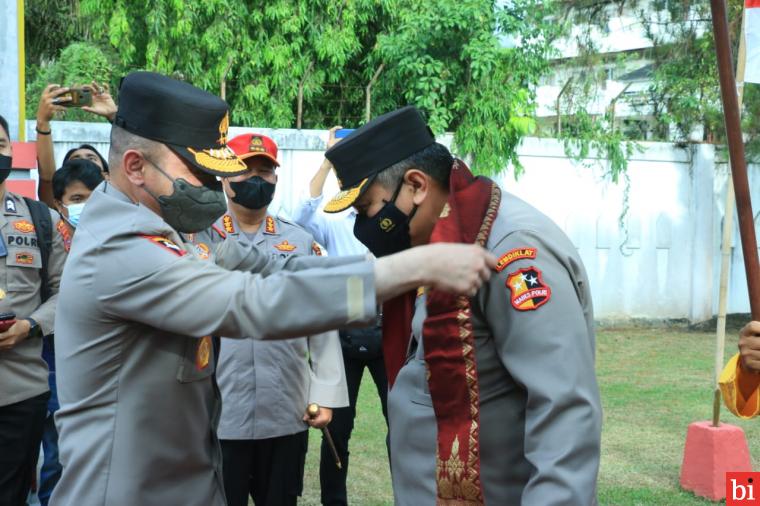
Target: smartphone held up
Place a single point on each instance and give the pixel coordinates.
(75, 97)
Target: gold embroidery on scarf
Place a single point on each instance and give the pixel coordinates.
(459, 482)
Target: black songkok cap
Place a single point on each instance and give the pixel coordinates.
(367, 151)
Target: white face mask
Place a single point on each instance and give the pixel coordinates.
(75, 211)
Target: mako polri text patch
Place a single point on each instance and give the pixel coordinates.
(528, 291)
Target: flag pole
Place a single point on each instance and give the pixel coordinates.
(728, 230)
(736, 154)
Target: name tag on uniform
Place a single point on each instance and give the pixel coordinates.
(3, 248)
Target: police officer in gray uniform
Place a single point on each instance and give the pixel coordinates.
(23, 373)
(134, 358)
(266, 386)
(496, 400)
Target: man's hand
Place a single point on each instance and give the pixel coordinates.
(102, 101)
(749, 346)
(48, 105)
(331, 140)
(324, 416)
(317, 183)
(457, 268)
(460, 269)
(14, 335)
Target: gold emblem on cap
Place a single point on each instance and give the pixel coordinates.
(221, 160)
(224, 127)
(257, 145)
(345, 199)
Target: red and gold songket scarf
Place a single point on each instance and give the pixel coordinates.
(449, 343)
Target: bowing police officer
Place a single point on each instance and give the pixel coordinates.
(494, 398)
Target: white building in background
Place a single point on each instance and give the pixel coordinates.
(625, 49)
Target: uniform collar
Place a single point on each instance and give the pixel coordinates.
(139, 218)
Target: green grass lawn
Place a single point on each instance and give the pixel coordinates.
(654, 382)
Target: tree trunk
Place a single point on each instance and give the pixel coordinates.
(299, 117)
(368, 93)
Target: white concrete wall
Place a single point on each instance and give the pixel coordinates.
(667, 269)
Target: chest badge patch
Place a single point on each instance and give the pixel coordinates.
(515, 255)
(23, 226)
(24, 258)
(203, 251)
(166, 244)
(316, 249)
(285, 246)
(203, 355)
(528, 290)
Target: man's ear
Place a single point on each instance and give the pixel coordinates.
(419, 182)
(133, 165)
(59, 207)
(227, 188)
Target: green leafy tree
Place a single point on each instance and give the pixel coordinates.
(78, 64)
(473, 66)
(266, 55)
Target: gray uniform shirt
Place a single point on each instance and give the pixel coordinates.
(134, 363)
(540, 412)
(23, 372)
(266, 385)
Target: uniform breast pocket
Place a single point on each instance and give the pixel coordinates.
(197, 361)
(23, 268)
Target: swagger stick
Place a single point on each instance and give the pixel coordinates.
(313, 410)
(736, 154)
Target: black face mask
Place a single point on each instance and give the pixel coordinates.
(387, 232)
(253, 193)
(190, 208)
(5, 167)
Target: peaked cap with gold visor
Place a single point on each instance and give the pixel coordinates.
(191, 122)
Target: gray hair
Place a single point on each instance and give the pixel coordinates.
(435, 161)
(122, 141)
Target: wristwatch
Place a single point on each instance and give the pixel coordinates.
(34, 328)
